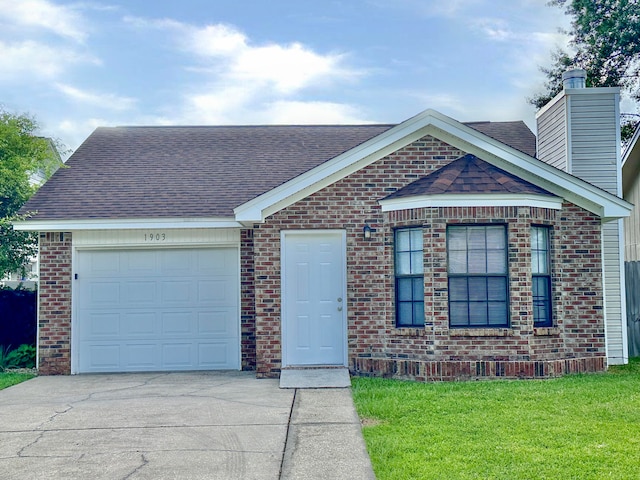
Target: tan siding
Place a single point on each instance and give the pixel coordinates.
(632, 224)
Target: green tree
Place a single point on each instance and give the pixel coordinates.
(26, 161)
(605, 35)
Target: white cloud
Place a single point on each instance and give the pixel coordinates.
(36, 60)
(108, 101)
(42, 14)
(310, 113)
(493, 28)
(228, 54)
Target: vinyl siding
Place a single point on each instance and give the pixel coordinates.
(632, 224)
(552, 131)
(593, 139)
(615, 315)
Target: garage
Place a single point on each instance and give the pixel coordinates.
(156, 309)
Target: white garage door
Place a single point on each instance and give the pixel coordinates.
(161, 309)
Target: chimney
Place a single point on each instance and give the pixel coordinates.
(575, 78)
(579, 132)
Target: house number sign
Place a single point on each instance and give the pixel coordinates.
(155, 237)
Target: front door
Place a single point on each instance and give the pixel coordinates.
(313, 298)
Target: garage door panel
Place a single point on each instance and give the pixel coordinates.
(162, 309)
(177, 291)
(103, 294)
(139, 324)
(177, 323)
(213, 323)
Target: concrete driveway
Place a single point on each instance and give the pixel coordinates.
(214, 425)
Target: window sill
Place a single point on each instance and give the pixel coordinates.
(409, 331)
(546, 331)
(480, 332)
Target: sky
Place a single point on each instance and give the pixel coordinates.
(77, 65)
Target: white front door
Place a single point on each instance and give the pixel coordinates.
(313, 298)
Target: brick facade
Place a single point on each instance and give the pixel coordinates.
(54, 293)
(376, 347)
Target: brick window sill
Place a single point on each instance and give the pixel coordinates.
(546, 331)
(409, 332)
(480, 332)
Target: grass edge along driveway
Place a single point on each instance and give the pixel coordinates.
(8, 379)
(574, 427)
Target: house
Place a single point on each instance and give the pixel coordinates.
(431, 249)
(631, 193)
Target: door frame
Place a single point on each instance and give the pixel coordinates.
(284, 234)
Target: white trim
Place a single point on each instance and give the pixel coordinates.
(456, 134)
(471, 200)
(124, 224)
(623, 294)
(283, 290)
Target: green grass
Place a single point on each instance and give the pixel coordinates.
(575, 427)
(10, 378)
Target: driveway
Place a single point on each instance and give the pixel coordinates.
(152, 426)
(213, 425)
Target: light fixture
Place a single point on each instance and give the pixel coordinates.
(366, 232)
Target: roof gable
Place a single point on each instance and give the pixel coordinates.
(454, 133)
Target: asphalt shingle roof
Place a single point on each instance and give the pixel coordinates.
(200, 172)
(468, 174)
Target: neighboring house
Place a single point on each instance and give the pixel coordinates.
(431, 249)
(631, 192)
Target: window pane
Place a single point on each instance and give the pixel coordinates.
(497, 313)
(539, 238)
(541, 301)
(403, 263)
(458, 314)
(402, 241)
(458, 289)
(416, 262)
(477, 289)
(478, 261)
(405, 313)
(496, 261)
(418, 313)
(457, 238)
(496, 238)
(497, 289)
(477, 314)
(416, 238)
(404, 289)
(457, 261)
(418, 289)
(476, 239)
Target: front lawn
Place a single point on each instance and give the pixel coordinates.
(11, 378)
(576, 427)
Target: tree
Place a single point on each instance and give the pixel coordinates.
(26, 161)
(606, 37)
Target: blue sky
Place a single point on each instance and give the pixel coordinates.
(79, 65)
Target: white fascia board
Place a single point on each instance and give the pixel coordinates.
(123, 224)
(472, 200)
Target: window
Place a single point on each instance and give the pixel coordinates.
(477, 267)
(541, 277)
(409, 278)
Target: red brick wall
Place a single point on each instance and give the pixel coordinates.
(376, 346)
(54, 294)
(247, 301)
